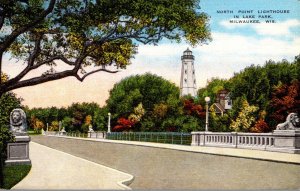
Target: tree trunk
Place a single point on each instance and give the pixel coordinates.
(1, 55)
(1, 168)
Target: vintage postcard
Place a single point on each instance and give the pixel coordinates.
(165, 94)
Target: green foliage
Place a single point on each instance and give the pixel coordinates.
(76, 117)
(150, 90)
(148, 125)
(5, 137)
(253, 84)
(211, 89)
(256, 85)
(67, 123)
(219, 123)
(14, 174)
(100, 119)
(162, 111)
(8, 102)
(190, 123)
(92, 33)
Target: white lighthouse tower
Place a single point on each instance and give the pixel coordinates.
(188, 80)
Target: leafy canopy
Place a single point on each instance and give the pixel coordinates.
(94, 33)
(147, 89)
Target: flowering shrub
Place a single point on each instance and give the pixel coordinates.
(88, 120)
(260, 127)
(285, 99)
(191, 108)
(245, 118)
(160, 110)
(124, 124)
(139, 112)
(36, 124)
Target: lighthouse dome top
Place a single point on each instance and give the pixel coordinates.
(187, 54)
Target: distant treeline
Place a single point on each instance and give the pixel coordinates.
(262, 97)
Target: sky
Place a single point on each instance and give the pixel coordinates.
(234, 47)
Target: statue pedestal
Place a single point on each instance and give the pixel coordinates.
(287, 141)
(62, 132)
(18, 152)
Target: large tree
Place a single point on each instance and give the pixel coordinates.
(156, 96)
(8, 102)
(96, 33)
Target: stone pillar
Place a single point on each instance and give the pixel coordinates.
(18, 151)
(198, 138)
(202, 138)
(195, 138)
(287, 141)
(234, 139)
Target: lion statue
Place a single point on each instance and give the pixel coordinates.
(18, 124)
(292, 122)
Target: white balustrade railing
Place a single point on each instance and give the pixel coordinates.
(97, 135)
(259, 140)
(278, 140)
(233, 139)
(51, 133)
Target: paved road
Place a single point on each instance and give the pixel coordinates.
(159, 168)
(53, 169)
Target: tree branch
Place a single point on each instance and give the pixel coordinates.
(51, 59)
(52, 77)
(1, 56)
(95, 71)
(11, 38)
(40, 79)
(36, 50)
(31, 67)
(1, 21)
(30, 64)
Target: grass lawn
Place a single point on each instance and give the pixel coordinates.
(32, 132)
(14, 174)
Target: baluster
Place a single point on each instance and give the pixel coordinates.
(271, 141)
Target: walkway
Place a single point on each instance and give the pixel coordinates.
(161, 168)
(52, 169)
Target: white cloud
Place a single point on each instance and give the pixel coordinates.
(225, 55)
(273, 29)
(277, 29)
